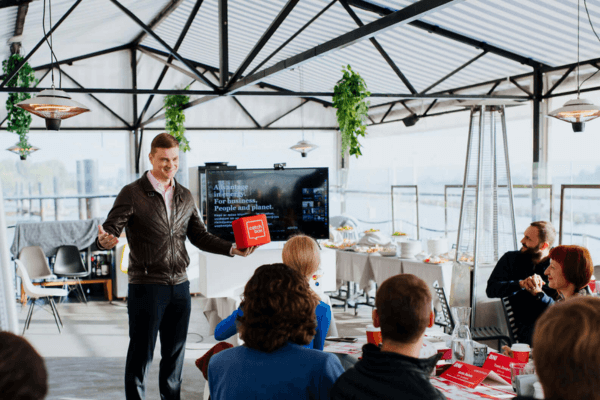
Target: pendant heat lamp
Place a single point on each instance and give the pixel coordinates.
(304, 146)
(23, 152)
(577, 111)
(51, 104)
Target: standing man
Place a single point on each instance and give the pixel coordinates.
(518, 272)
(159, 214)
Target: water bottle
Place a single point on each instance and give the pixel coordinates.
(462, 345)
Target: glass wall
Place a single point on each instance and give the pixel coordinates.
(69, 163)
(430, 155)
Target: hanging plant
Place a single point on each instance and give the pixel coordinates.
(19, 120)
(348, 98)
(175, 118)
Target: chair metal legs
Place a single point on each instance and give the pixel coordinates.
(52, 304)
(81, 290)
(29, 314)
(55, 313)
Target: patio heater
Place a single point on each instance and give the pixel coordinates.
(486, 227)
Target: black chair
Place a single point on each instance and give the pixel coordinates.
(513, 331)
(480, 333)
(68, 264)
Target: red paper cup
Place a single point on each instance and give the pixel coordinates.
(446, 353)
(521, 352)
(374, 335)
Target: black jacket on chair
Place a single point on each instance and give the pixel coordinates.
(383, 375)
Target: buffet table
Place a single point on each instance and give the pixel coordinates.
(364, 268)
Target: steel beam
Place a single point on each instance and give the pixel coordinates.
(246, 112)
(465, 65)
(201, 128)
(157, 20)
(538, 86)
(223, 44)
(268, 93)
(15, 47)
(37, 46)
(39, 81)
(182, 35)
(380, 49)
(558, 82)
(13, 3)
(110, 110)
(388, 111)
(494, 86)
(184, 107)
(299, 31)
(163, 43)
(436, 30)
(429, 108)
(286, 113)
(285, 11)
(521, 88)
(403, 16)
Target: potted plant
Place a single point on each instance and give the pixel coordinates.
(19, 120)
(175, 118)
(348, 98)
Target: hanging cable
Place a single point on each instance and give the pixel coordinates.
(597, 37)
(52, 55)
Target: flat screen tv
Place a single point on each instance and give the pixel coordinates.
(295, 200)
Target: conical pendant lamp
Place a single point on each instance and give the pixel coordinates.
(577, 111)
(51, 104)
(304, 146)
(22, 151)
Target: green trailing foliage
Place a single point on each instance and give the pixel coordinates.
(348, 98)
(175, 118)
(19, 120)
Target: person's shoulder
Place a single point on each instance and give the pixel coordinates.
(227, 355)
(511, 256)
(323, 307)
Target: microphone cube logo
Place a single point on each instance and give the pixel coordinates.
(255, 229)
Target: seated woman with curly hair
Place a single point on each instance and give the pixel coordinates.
(279, 319)
(301, 253)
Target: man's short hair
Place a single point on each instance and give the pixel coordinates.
(22, 370)
(546, 231)
(566, 344)
(163, 141)
(404, 306)
(576, 263)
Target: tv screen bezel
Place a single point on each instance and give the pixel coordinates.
(325, 234)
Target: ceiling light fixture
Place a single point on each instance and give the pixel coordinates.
(23, 152)
(303, 146)
(577, 111)
(51, 104)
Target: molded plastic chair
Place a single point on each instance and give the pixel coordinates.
(480, 333)
(37, 292)
(36, 263)
(68, 264)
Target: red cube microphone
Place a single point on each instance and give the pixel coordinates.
(251, 231)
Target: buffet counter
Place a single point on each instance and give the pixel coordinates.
(364, 268)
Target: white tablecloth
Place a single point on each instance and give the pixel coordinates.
(364, 268)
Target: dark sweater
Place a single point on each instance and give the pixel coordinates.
(504, 282)
(383, 375)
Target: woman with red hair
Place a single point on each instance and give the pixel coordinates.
(570, 271)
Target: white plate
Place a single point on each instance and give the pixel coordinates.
(388, 253)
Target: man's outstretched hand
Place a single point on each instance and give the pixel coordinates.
(244, 253)
(106, 240)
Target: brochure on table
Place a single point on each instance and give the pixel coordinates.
(500, 364)
(469, 375)
(454, 391)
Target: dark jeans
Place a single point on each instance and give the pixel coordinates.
(152, 309)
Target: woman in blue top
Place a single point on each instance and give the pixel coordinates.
(301, 253)
(279, 318)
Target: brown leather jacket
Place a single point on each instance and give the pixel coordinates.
(157, 245)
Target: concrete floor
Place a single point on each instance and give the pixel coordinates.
(86, 361)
